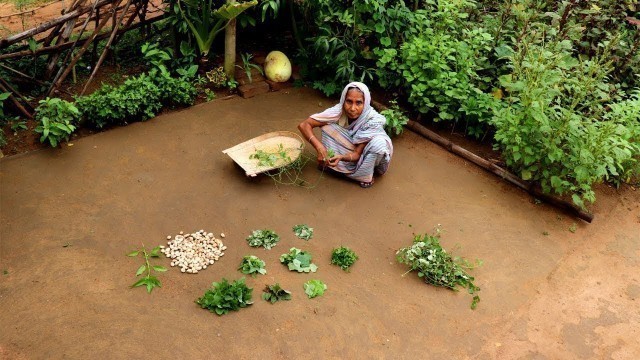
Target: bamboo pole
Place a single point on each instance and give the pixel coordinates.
(15, 92)
(62, 74)
(493, 168)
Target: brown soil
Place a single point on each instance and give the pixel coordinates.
(69, 215)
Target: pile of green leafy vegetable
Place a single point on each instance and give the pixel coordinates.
(252, 265)
(273, 293)
(314, 288)
(298, 260)
(265, 238)
(303, 231)
(435, 266)
(223, 297)
(343, 257)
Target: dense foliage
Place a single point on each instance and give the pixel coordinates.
(344, 257)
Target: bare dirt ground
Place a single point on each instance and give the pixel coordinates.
(68, 217)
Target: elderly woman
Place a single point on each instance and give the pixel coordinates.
(354, 132)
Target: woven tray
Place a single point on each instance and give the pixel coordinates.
(291, 143)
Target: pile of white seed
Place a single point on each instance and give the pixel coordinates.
(193, 252)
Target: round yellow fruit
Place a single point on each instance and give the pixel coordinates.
(277, 67)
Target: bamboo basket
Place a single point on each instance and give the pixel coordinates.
(291, 143)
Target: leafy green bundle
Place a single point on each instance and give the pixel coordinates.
(314, 288)
(343, 257)
(274, 293)
(303, 231)
(223, 297)
(298, 260)
(265, 238)
(435, 266)
(252, 265)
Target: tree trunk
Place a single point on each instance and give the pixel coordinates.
(230, 49)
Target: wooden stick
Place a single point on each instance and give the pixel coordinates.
(63, 74)
(11, 89)
(107, 46)
(30, 78)
(16, 102)
(493, 168)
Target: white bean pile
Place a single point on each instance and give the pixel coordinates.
(193, 252)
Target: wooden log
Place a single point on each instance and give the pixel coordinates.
(493, 168)
(48, 25)
(107, 46)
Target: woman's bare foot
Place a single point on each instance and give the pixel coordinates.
(365, 185)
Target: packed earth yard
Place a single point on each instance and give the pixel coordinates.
(552, 286)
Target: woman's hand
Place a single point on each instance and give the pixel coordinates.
(322, 156)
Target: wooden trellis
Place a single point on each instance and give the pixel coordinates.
(69, 32)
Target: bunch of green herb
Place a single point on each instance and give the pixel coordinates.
(303, 231)
(252, 265)
(223, 297)
(330, 153)
(273, 293)
(271, 158)
(148, 280)
(265, 238)
(298, 260)
(435, 266)
(343, 257)
(314, 288)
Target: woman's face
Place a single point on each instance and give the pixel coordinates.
(353, 103)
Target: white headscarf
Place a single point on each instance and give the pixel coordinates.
(369, 124)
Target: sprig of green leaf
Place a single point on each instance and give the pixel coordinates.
(149, 280)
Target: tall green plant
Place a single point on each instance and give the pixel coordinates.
(205, 21)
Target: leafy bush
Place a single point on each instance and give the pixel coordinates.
(441, 64)
(435, 266)
(223, 297)
(343, 257)
(314, 288)
(561, 126)
(252, 265)
(265, 238)
(298, 260)
(57, 119)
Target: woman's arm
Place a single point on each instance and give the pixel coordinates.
(306, 129)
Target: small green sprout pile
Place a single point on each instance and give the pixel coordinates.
(224, 297)
(314, 288)
(303, 231)
(264, 238)
(298, 260)
(274, 293)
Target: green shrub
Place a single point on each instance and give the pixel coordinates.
(57, 120)
(560, 125)
(441, 65)
(396, 119)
